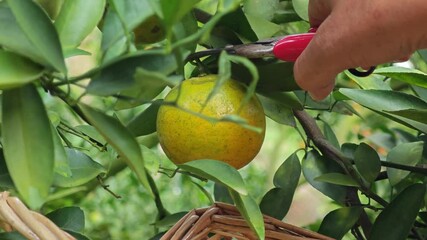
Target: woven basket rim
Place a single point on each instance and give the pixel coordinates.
(224, 221)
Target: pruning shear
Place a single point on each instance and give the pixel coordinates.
(287, 49)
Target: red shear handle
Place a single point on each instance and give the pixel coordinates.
(290, 47)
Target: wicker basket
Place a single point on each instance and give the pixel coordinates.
(15, 216)
(223, 221)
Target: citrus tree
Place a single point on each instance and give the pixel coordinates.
(83, 81)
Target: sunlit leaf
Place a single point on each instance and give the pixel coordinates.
(76, 20)
(217, 171)
(396, 220)
(13, 38)
(338, 222)
(41, 33)
(367, 162)
(370, 82)
(262, 28)
(407, 154)
(407, 75)
(120, 139)
(250, 211)
(382, 102)
(31, 162)
(16, 70)
(301, 8)
(263, 9)
(83, 169)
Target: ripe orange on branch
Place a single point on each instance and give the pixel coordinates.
(185, 136)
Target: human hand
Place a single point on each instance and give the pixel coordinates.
(358, 33)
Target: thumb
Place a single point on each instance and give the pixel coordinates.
(315, 69)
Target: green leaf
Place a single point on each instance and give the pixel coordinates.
(288, 174)
(277, 111)
(12, 236)
(288, 99)
(119, 75)
(383, 102)
(419, 115)
(217, 171)
(222, 194)
(5, 179)
(92, 133)
(13, 38)
(313, 166)
(237, 22)
(75, 52)
(337, 179)
(83, 169)
(68, 218)
(406, 154)
(330, 135)
(370, 82)
(77, 236)
(262, 28)
(273, 76)
(16, 70)
(407, 75)
(403, 208)
(120, 139)
(301, 8)
(151, 159)
(39, 30)
(77, 19)
(263, 9)
(338, 222)
(170, 220)
(367, 162)
(52, 7)
(122, 17)
(277, 201)
(145, 122)
(173, 11)
(250, 211)
(31, 162)
(61, 166)
(148, 84)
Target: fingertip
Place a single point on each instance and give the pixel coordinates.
(321, 93)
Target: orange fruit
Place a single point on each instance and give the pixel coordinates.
(184, 136)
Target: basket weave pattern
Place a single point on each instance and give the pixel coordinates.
(223, 221)
(15, 216)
